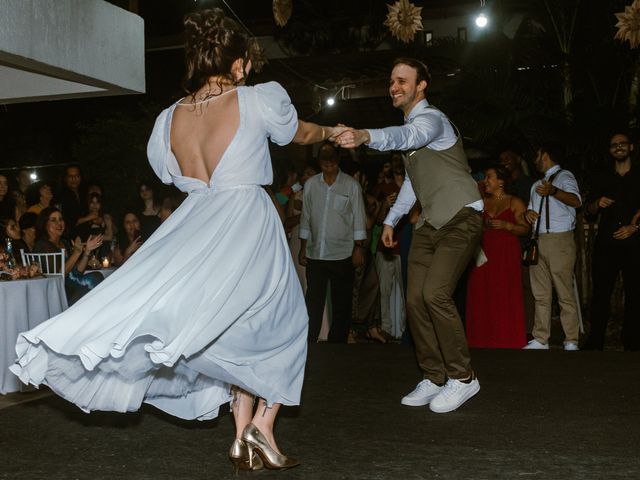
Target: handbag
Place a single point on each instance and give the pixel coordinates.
(530, 252)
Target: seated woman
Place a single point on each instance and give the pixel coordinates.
(95, 222)
(10, 231)
(27, 240)
(49, 230)
(130, 238)
(495, 309)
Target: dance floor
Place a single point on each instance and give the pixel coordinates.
(539, 415)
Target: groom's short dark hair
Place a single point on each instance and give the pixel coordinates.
(420, 68)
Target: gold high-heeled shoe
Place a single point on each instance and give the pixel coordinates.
(239, 456)
(256, 442)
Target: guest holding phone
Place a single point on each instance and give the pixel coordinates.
(129, 239)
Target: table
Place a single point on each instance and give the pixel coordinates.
(23, 305)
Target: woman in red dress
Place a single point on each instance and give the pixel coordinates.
(495, 312)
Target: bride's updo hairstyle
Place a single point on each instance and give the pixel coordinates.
(213, 43)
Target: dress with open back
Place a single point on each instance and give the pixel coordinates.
(210, 300)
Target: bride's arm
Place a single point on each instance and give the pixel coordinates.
(312, 133)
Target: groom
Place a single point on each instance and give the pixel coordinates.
(445, 238)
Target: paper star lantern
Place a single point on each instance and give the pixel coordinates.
(629, 24)
(282, 11)
(404, 20)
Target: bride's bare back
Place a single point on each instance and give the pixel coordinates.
(200, 134)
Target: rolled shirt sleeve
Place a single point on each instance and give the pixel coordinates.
(567, 182)
(305, 230)
(359, 215)
(562, 217)
(333, 217)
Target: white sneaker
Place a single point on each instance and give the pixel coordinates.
(536, 345)
(453, 395)
(422, 394)
(571, 347)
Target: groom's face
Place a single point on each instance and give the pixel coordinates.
(404, 88)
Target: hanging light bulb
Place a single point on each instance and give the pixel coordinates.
(482, 20)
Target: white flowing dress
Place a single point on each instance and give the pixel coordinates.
(210, 300)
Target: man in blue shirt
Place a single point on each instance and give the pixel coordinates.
(557, 247)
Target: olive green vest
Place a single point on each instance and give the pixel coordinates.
(442, 182)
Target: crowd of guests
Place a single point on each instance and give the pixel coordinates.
(354, 286)
(333, 212)
(41, 217)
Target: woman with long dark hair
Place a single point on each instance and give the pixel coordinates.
(94, 220)
(50, 228)
(209, 308)
(149, 211)
(130, 238)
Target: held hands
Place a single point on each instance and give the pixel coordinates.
(335, 132)
(347, 137)
(352, 138)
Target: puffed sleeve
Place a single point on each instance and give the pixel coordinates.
(159, 149)
(279, 115)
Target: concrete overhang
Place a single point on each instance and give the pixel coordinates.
(60, 49)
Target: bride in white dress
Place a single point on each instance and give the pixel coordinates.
(210, 307)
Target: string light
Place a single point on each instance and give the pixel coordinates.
(481, 20)
(343, 92)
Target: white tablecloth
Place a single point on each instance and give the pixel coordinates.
(23, 305)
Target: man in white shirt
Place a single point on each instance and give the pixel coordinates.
(445, 238)
(332, 229)
(557, 248)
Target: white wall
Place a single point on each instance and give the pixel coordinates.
(74, 48)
